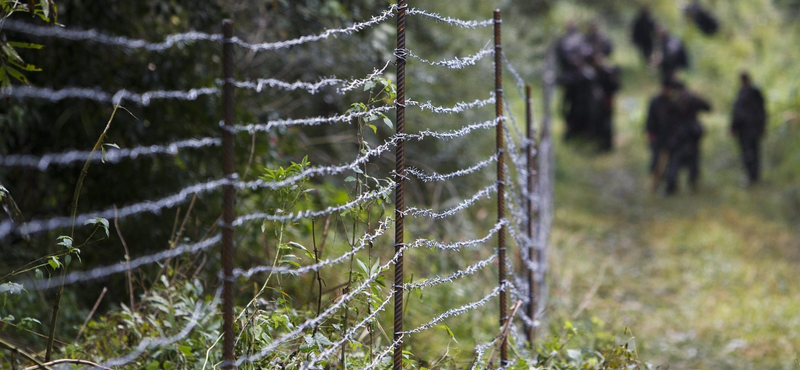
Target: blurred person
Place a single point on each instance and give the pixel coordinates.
(606, 84)
(673, 55)
(748, 123)
(643, 33)
(575, 76)
(660, 114)
(683, 137)
(702, 17)
(597, 40)
(569, 49)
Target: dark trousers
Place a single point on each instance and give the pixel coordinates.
(655, 152)
(687, 155)
(750, 156)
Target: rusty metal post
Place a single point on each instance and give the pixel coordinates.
(227, 195)
(533, 215)
(501, 196)
(399, 176)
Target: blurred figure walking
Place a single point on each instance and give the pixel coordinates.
(660, 116)
(673, 55)
(702, 17)
(748, 125)
(643, 33)
(683, 138)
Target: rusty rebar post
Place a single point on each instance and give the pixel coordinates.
(533, 216)
(501, 196)
(227, 195)
(399, 176)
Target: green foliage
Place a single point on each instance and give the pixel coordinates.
(11, 63)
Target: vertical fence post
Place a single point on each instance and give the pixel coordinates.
(399, 176)
(227, 195)
(501, 237)
(533, 216)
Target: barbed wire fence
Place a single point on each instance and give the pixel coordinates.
(523, 186)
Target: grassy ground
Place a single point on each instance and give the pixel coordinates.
(704, 280)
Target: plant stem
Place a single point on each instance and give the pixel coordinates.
(75, 196)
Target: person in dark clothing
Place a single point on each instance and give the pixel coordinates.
(657, 124)
(683, 138)
(575, 76)
(569, 49)
(702, 17)
(606, 84)
(597, 41)
(578, 102)
(748, 123)
(644, 33)
(673, 55)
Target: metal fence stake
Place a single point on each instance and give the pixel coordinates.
(533, 216)
(227, 195)
(501, 237)
(399, 176)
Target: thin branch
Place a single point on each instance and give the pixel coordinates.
(504, 333)
(91, 313)
(68, 361)
(128, 273)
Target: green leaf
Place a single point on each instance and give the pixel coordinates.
(54, 263)
(349, 179)
(186, 350)
(374, 128)
(16, 74)
(25, 45)
(45, 8)
(26, 67)
(12, 54)
(67, 260)
(449, 332)
(388, 122)
(362, 265)
(38, 274)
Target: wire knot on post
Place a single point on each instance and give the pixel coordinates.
(401, 54)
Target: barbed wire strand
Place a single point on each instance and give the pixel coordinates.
(456, 62)
(480, 350)
(36, 226)
(293, 216)
(311, 87)
(364, 241)
(312, 121)
(434, 176)
(111, 155)
(450, 20)
(101, 272)
(457, 311)
(433, 244)
(106, 39)
(101, 96)
(438, 280)
(267, 46)
(483, 193)
(454, 133)
(384, 354)
(459, 107)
